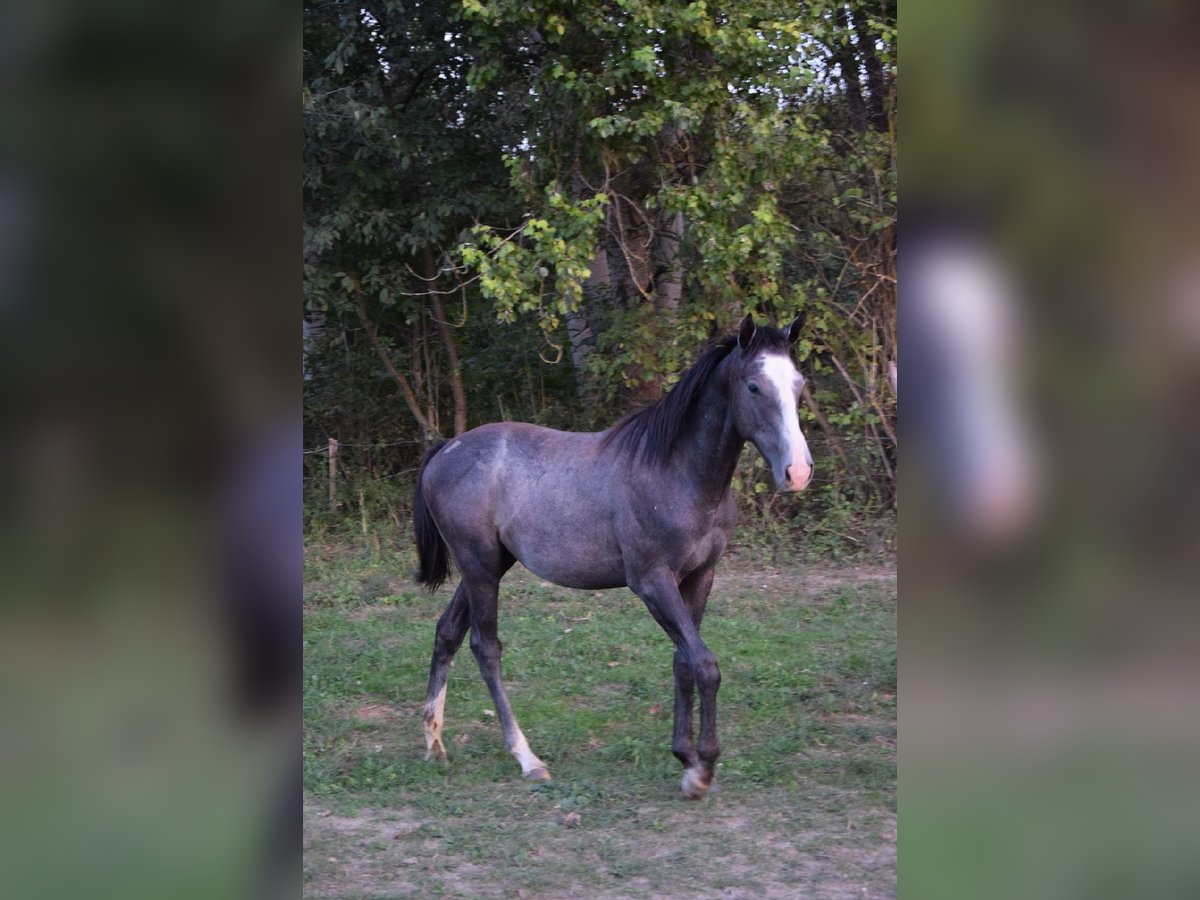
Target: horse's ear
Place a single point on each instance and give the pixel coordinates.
(746, 335)
(793, 330)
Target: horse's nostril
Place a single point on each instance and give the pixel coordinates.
(787, 474)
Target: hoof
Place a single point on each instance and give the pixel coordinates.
(541, 773)
(694, 785)
(436, 750)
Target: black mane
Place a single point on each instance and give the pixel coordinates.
(656, 429)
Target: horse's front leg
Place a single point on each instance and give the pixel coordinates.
(694, 590)
(685, 691)
(662, 597)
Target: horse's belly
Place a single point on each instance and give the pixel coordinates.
(571, 557)
(568, 576)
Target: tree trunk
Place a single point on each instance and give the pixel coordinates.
(848, 63)
(443, 327)
(424, 374)
(634, 240)
(621, 291)
(668, 264)
(876, 83)
(314, 336)
(405, 388)
(597, 291)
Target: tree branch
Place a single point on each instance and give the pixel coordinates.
(405, 388)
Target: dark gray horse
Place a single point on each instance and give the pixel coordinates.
(646, 503)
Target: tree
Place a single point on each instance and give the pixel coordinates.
(400, 157)
(683, 164)
(619, 182)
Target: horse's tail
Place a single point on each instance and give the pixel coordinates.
(434, 556)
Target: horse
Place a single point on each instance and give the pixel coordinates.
(646, 504)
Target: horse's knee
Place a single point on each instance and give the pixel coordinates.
(706, 671)
(683, 671)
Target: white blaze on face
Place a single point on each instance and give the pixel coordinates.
(781, 372)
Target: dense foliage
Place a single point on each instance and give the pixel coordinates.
(542, 210)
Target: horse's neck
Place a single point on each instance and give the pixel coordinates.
(710, 446)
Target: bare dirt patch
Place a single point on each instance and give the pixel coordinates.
(373, 712)
(811, 582)
(739, 852)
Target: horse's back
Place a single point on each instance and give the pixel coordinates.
(506, 454)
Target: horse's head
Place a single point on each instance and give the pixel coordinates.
(764, 389)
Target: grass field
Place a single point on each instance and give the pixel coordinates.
(807, 724)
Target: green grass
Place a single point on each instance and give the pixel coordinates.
(806, 724)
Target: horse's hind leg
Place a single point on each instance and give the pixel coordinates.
(451, 629)
(483, 593)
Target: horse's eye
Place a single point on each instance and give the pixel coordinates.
(753, 387)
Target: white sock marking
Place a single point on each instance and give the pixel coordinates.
(526, 757)
(433, 728)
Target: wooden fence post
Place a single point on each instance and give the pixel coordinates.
(333, 449)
